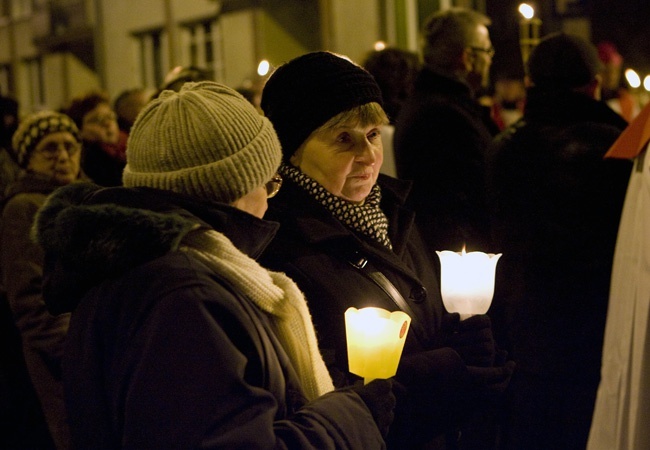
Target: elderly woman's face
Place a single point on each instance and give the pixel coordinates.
(100, 125)
(57, 156)
(345, 160)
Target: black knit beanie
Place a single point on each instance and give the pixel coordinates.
(563, 61)
(309, 90)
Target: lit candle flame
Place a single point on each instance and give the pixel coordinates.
(379, 46)
(646, 83)
(375, 339)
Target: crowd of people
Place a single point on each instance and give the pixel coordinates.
(175, 265)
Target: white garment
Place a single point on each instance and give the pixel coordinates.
(621, 418)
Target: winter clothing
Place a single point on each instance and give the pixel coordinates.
(34, 128)
(334, 266)
(620, 419)
(333, 83)
(556, 206)
(168, 345)
(547, 65)
(441, 137)
(203, 143)
(104, 163)
(201, 346)
(43, 334)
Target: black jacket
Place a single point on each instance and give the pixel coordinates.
(326, 259)
(441, 136)
(162, 352)
(555, 206)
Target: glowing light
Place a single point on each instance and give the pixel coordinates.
(632, 78)
(526, 10)
(646, 83)
(380, 45)
(375, 339)
(263, 68)
(467, 281)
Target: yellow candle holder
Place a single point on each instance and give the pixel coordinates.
(375, 340)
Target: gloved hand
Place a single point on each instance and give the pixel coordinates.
(472, 338)
(436, 398)
(379, 398)
(491, 380)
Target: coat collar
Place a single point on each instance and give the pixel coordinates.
(90, 234)
(301, 214)
(567, 107)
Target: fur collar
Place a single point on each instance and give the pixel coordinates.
(85, 244)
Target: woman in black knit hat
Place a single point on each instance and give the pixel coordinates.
(348, 239)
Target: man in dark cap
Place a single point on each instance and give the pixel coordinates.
(555, 206)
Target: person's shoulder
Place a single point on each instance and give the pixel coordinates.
(23, 203)
(177, 276)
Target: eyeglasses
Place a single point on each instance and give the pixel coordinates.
(489, 50)
(273, 186)
(51, 150)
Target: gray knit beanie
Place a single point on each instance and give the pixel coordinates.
(206, 141)
(34, 127)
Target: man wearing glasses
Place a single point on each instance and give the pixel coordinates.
(442, 132)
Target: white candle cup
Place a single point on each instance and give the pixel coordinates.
(375, 340)
(467, 281)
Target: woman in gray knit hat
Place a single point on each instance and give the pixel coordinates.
(348, 240)
(178, 337)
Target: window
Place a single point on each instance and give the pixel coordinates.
(201, 45)
(34, 78)
(151, 57)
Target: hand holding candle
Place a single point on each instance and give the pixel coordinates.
(467, 281)
(375, 339)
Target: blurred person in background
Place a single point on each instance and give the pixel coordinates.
(555, 209)
(9, 119)
(443, 132)
(613, 90)
(104, 144)
(395, 71)
(128, 104)
(47, 147)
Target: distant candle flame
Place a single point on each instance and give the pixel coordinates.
(263, 68)
(632, 78)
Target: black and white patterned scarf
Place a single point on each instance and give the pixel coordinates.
(367, 218)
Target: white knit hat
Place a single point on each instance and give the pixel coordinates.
(206, 141)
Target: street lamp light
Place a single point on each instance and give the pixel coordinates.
(529, 27)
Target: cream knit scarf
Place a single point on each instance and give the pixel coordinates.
(274, 293)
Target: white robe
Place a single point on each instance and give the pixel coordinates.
(621, 418)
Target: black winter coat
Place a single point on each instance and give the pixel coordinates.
(441, 136)
(326, 259)
(164, 353)
(556, 205)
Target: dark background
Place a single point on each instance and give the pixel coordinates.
(625, 23)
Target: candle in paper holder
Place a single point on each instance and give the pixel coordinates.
(375, 340)
(467, 281)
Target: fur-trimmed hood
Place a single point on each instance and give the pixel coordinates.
(90, 234)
